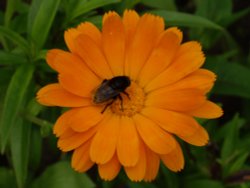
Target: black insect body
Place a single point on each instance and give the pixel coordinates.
(111, 89)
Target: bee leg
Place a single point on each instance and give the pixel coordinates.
(107, 105)
(119, 97)
(126, 94)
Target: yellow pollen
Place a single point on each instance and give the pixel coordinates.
(132, 105)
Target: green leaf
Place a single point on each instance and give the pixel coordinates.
(170, 179)
(7, 58)
(232, 151)
(96, 20)
(15, 38)
(13, 101)
(160, 4)
(35, 148)
(88, 6)
(34, 108)
(141, 185)
(69, 5)
(205, 183)
(125, 4)
(34, 8)
(11, 6)
(6, 73)
(213, 9)
(238, 86)
(61, 175)
(46, 127)
(41, 17)
(5, 77)
(235, 16)
(30, 114)
(108, 184)
(239, 162)
(19, 145)
(6, 178)
(19, 23)
(231, 139)
(185, 19)
(41, 55)
(220, 12)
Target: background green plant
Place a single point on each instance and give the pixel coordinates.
(29, 156)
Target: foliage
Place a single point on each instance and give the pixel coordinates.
(28, 147)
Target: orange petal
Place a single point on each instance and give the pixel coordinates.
(177, 100)
(173, 122)
(78, 85)
(85, 118)
(65, 62)
(153, 136)
(137, 172)
(148, 29)
(130, 21)
(51, 56)
(74, 76)
(86, 28)
(91, 30)
(128, 143)
(80, 159)
(69, 37)
(153, 163)
(199, 138)
(174, 160)
(189, 46)
(109, 170)
(201, 79)
(104, 143)
(184, 64)
(55, 95)
(72, 141)
(113, 40)
(67, 133)
(177, 31)
(92, 55)
(208, 110)
(61, 124)
(160, 57)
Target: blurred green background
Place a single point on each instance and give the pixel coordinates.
(29, 157)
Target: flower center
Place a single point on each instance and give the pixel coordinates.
(131, 105)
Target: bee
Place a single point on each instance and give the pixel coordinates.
(111, 90)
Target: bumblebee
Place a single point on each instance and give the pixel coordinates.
(111, 90)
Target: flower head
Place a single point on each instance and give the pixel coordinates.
(133, 126)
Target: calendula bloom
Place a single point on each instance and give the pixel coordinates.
(167, 91)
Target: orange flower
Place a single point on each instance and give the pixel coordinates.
(166, 92)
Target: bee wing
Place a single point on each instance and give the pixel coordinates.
(104, 93)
